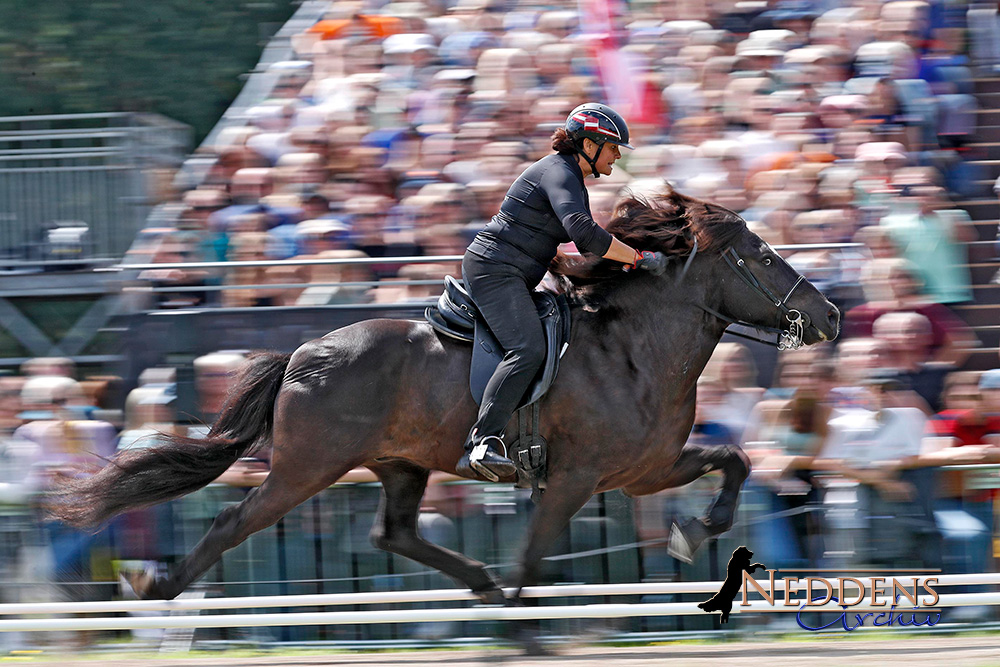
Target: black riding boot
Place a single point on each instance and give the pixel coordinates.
(502, 293)
(483, 457)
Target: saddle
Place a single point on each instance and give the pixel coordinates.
(456, 316)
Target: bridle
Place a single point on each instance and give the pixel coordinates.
(788, 339)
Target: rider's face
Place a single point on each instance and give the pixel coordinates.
(609, 154)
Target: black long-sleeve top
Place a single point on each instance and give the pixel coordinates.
(547, 205)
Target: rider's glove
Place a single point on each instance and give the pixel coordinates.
(654, 262)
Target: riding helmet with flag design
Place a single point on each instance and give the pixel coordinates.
(599, 123)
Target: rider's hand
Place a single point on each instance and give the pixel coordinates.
(654, 262)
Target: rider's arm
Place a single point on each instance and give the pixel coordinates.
(621, 252)
(566, 196)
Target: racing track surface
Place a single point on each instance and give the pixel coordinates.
(912, 650)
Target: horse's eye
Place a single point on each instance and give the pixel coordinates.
(767, 261)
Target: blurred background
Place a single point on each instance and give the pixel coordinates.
(183, 182)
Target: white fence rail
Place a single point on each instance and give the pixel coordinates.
(484, 613)
(440, 595)
(453, 614)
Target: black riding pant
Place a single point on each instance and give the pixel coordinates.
(502, 293)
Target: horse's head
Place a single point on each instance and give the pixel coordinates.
(734, 274)
(758, 287)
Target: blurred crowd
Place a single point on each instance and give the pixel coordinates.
(398, 129)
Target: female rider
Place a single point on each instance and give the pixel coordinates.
(547, 205)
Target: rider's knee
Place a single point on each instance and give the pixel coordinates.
(531, 356)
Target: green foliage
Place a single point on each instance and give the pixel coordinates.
(179, 58)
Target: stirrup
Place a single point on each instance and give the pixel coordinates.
(478, 462)
(479, 451)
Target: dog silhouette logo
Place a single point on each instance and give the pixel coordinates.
(723, 600)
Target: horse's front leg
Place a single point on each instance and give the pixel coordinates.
(564, 495)
(695, 461)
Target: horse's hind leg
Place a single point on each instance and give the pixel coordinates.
(261, 508)
(695, 461)
(395, 530)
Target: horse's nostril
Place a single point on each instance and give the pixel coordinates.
(833, 317)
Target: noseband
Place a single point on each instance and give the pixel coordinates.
(788, 339)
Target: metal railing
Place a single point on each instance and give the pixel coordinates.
(80, 171)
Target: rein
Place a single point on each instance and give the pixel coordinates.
(788, 339)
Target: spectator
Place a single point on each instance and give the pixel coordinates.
(62, 442)
(908, 337)
(989, 385)
(930, 237)
(247, 247)
(213, 375)
(984, 37)
(892, 285)
(10, 403)
(887, 116)
(874, 443)
(326, 281)
(964, 433)
(732, 370)
(200, 205)
(176, 250)
(784, 437)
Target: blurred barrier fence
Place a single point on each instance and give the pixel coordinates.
(459, 595)
(421, 259)
(76, 186)
(455, 614)
(319, 555)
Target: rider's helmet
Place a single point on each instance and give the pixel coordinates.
(599, 123)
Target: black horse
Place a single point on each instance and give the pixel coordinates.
(393, 396)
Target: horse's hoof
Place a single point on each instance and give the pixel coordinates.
(536, 649)
(685, 540)
(145, 586)
(140, 582)
(492, 596)
(528, 637)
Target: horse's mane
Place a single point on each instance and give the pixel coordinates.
(667, 223)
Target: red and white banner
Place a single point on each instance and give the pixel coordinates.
(621, 72)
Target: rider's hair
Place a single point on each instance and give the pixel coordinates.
(562, 142)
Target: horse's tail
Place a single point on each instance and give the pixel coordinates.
(177, 465)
